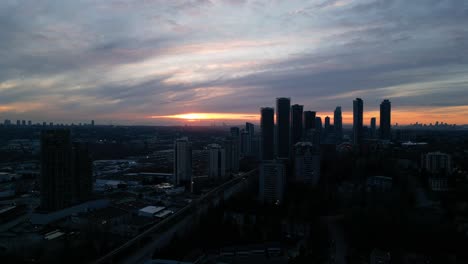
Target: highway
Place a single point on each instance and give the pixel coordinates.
(141, 253)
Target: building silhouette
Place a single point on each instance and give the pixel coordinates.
(66, 171)
(296, 123)
(183, 163)
(306, 163)
(272, 181)
(267, 126)
(217, 162)
(373, 127)
(338, 123)
(309, 120)
(283, 106)
(235, 149)
(358, 112)
(385, 119)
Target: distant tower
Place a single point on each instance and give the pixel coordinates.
(306, 163)
(183, 163)
(338, 123)
(358, 112)
(217, 162)
(296, 123)
(29, 123)
(272, 181)
(283, 106)
(267, 126)
(385, 119)
(92, 122)
(23, 122)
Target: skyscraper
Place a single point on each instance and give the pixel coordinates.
(217, 162)
(309, 120)
(183, 163)
(296, 123)
(385, 119)
(327, 124)
(373, 127)
(338, 123)
(245, 143)
(358, 112)
(235, 132)
(66, 171)
(283, 106)
(317, 131)
(250, 128)
(267, 126)
(272, 181)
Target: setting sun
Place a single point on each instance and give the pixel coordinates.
(210, 116)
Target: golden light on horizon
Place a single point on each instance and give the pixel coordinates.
(210, 116)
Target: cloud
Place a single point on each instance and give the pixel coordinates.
(126, 60)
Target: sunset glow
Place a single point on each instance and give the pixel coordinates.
(211, 116)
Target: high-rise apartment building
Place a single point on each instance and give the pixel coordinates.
(267, 127)
(272, 181)
(183, 163)
(385, 119)
(283, 106)
(296, 123)
(358, 112)
(217, 162)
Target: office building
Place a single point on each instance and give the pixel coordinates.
(296, 123)
(267, 126)
(306, 163)
(217, 162)
(283, 106)
(338, 124)
(385, 119)
(272, 181)
(183, 163)
(358, 112)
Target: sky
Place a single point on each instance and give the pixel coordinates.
(155, 61)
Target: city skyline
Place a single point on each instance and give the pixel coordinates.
(126, 62)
